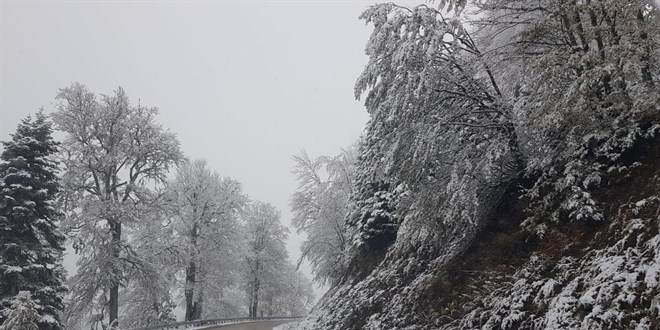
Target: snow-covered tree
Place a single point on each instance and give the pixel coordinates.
(557, 97)
(584, 76)
(266, 254)
(112, 152)
(320, 206)
(22, 315)
(441, 136)
(150, 291)
(426, 79)
(448, 105)
(31, 243)
(204, 215)
(286, 293)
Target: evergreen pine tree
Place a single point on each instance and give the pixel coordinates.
(30, 243)
(22, 315)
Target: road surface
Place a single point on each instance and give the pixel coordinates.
(261, 325)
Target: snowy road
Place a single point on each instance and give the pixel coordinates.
(262, 325)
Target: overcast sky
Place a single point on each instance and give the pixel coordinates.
(244, 84)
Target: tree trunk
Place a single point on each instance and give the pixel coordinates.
(190, 291)
(514, 147)
(115, 228)
(255, 300)
(197, 314)
(270, 306)
(254, 306)
(192, 307)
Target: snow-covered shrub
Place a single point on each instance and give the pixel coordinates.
(377, 221)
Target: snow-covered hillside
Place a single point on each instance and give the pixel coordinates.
(509, 176)
(599, 275)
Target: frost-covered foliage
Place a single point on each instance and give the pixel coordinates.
(204, 241)
(375, 221)
(583, 77)
(112, 153)
(204, 210)
(271, 284)
(22, 315)
(148, 296)
(286, 293)
(609, 281)
(602, 276)
(553, 96)
(215, 254)
(31, 243)
(320, 206)
(440, 131)
(439, 150)
(265, 253)
(150, 241)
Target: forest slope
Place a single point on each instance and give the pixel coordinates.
(507, 179)
(603, 275)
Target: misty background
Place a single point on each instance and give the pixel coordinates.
(243, 84)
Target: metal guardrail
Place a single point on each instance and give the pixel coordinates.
(210, 322)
